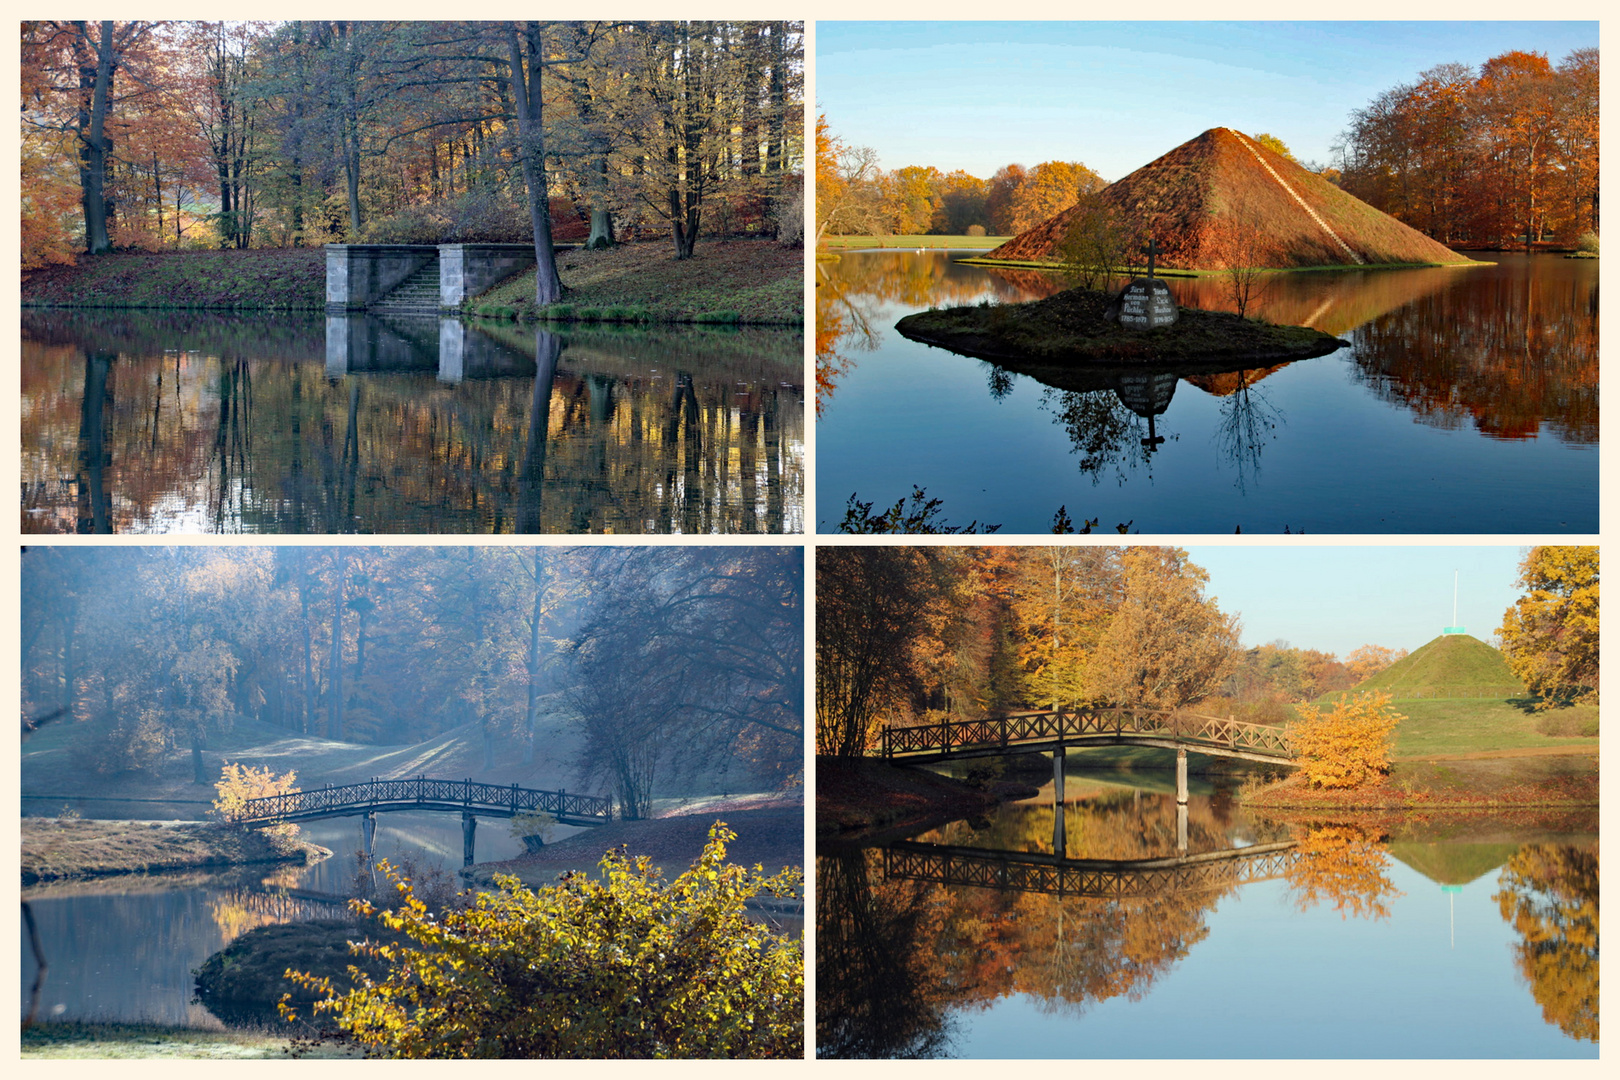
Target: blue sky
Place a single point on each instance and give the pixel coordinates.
(1339, 598)
(977, 96)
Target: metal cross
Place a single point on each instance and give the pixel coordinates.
(1152, 249)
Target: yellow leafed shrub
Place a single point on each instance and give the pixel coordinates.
(1347, 746)
(628, 966)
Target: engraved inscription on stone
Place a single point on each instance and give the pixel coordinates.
(1147, 303)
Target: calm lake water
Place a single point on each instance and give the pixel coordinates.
(1467, 402)
(135, 422)
(1255, 939)
(125, 949)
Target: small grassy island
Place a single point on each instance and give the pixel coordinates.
(54, 849)
(1074, 327)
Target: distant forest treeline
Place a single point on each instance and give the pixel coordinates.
(161, 135)
(1468, 156)
(652, 654)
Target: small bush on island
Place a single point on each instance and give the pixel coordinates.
(239, 783)
(1347, 746)
(624, 967)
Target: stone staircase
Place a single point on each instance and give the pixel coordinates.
(416, 295)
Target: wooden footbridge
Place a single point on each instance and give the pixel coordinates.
(1112, 879)
(471, 800)
(1056, 731)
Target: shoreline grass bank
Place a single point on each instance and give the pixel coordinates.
(54, 849)
(732, 281)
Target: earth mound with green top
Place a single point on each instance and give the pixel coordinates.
(1452, 665)
(1075, 327)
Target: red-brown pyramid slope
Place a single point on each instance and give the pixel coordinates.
(1221, 184)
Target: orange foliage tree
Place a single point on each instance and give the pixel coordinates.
(1348, 746)
(1484, 157)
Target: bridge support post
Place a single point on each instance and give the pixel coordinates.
(1181, 828)
(469, 834)
(1181, 776)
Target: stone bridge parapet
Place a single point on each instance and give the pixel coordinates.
(359, 275)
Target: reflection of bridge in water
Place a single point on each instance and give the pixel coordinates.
(1019, 871)
(466, 797)
(1056, 731)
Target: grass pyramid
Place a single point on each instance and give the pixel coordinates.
(1223, 183)
(1452, 665)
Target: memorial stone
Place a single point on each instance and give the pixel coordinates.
(1147, 303)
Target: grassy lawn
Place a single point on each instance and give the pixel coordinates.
(1461, 726)
(980, 243)
(739, 281)
(120, 1041)
(261, 279)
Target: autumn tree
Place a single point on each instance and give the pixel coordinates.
(1347, 745)
(238, 783)
(1048, 189)
(1240, 250)
(1063, 598)
(80, 79)
(1100, 244)
(1369, 660)
(870, 603)
(846, 196)
(1274, 144)
(687, 660)
(1550, 636)
(1168, 645)
(1504, 152)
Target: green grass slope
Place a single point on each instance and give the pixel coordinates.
(1452, 665)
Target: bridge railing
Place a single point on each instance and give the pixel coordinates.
(511, 799)
(1014, 729)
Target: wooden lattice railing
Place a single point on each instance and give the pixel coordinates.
(1079, 725)
(1013, 871)
(430, 793)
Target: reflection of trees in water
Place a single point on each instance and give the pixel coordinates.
(1548, 893)
(1507, 354)
(281, 447)
(1346, 866)
(881, 984)
(236, 911)
(1109, 427)
(894, 956)
(1248, 421)
(844, 325)
(850, 292)
(1101, 430)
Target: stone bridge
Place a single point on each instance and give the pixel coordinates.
(417, 277)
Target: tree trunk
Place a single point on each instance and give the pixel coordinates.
(97, 66)
(334, 713)
(526, 55)
(531, 715)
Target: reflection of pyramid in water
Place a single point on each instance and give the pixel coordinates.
(1223, 185)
